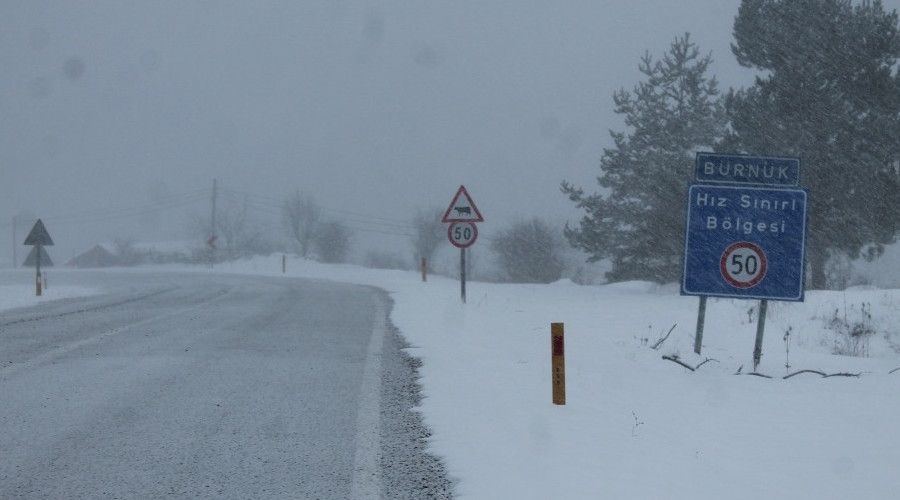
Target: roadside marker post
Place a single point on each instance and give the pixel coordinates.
(745, 234)
(462, 214)
(558, 362)
(424, 267)
(283, 263)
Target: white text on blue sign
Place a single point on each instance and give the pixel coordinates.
(742, 169)
(745, 242)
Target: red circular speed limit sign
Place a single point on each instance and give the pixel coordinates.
(743, 264)
(462, 234)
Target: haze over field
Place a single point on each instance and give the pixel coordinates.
(388, 105)
(264, 179)
(115, 117)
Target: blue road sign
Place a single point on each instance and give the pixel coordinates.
(744, 169)
(745, 242)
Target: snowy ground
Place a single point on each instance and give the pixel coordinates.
(637, 426)
(13, 296)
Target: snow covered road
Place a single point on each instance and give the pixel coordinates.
(199, 385)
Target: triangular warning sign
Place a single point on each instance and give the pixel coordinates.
(31, 260)
(38, 235)
(462, 208)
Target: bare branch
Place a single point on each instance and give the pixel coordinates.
(757, 374)
(817, 372)
(676, 360)
(660, 341)
(707, 360)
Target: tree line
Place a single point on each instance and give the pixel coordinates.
(827, 91)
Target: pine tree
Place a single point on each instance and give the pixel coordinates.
(829, 94)
(637, 219)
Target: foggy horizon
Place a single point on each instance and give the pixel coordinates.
(115, 118)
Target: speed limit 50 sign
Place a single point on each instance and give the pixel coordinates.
(745, 242)
(743, 264)
(462, 234)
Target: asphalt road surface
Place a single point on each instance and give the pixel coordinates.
(204, 385)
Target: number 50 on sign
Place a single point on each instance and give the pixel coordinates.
(462, 234)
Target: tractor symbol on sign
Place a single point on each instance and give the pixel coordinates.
(463, 210)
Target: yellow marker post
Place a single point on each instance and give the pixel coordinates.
(558, 363)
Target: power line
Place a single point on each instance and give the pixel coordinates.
(267, 205)
(272, 206)
(279, 204)
(96, 215)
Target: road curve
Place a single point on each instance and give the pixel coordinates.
(181, 385)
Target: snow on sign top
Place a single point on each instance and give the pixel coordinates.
(462, 208)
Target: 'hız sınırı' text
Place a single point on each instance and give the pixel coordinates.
(745, 201)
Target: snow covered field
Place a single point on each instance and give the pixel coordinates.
(637, 426)
(13, 296)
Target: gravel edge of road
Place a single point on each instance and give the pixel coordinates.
(409, 470)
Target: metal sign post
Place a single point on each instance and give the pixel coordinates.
(462, 214)
(37, 267)
(462, 274)
(701, 318)
(760, 329)
(745, 234)
(38, 238)
(462, 235)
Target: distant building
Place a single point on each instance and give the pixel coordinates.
(98, 256)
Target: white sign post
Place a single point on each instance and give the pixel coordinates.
(462, 214)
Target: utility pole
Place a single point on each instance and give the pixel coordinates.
(15, 261)
(212, 237)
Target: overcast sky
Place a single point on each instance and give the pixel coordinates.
(374, 107)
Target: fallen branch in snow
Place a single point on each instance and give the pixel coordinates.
(894, 370)
(763, 375)
(676, 360)
(817, 372)
(823, 374)
(707, 360)
(660, 341)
